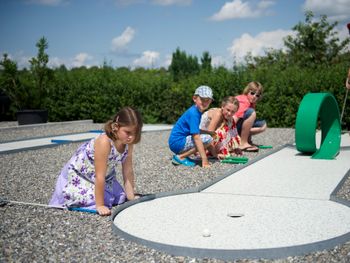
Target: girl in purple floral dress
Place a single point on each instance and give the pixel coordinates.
(89, 178)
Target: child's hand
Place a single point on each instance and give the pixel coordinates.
(103, 210)
(221, 156)
(137, 196)
(205, 164)
(237, 151)
(213, 134)
(347, 83)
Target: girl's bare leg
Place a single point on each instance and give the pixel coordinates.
(191, 151)
(257, 130)
(187, 153)
(246, 128)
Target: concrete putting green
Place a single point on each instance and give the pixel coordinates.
(285, 200)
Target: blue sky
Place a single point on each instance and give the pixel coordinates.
(145, 33)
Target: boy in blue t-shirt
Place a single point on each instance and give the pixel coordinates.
(185, 138)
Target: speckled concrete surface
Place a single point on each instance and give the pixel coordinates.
(267, 222)
(284, 199)
(36, 234)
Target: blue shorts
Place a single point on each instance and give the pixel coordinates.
(257, 123)
(206, 138)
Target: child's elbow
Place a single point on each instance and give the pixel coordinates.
(195, 136)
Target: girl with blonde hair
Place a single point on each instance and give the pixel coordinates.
(220, 123)
(245, 117)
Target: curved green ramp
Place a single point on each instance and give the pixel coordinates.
(322, 107)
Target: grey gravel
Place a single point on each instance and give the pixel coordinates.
(37, 234)
(10, 131)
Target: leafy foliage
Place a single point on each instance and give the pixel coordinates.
(183, 65)
(9, 81)
(315, 62)
(41, 73)
(315, 42)
(206, 61)
(27, 90)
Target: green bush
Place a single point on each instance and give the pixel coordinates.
(163, 95)
(97, 93)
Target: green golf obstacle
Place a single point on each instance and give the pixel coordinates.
(324, 108)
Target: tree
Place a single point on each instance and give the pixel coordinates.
(182, 65)
(9, 80)
(40, 71)
(206, 61)
(315, 42)
(26, 89)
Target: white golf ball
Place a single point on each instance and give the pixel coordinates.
(206, 233)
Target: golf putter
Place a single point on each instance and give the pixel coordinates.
(342, 112)
(4, 201)
(346, 93)
(235, 160)
(265, 147)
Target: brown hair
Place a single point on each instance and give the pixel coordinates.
(229, 99)
(253, 86)
(127, 116)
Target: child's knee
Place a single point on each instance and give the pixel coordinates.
(206, 139)
(262, 128)
(249, 114)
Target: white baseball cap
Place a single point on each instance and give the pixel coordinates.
(204, 92)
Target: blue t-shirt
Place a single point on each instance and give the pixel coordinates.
(187, 124)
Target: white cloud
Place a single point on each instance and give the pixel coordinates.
(148, 59)
(19, 57)
(257, 45)
(336, 10)
(120, 43)
(217, 61)
(48, 2)
(55, 62)
(172, 2)
(343, 33)
(81, 60)
(166, 63)
(241, 9)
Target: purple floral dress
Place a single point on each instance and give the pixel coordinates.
(75, 186)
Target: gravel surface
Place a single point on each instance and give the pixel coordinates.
(10, 131)
(37, 234)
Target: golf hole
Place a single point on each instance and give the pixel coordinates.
(235, 215)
